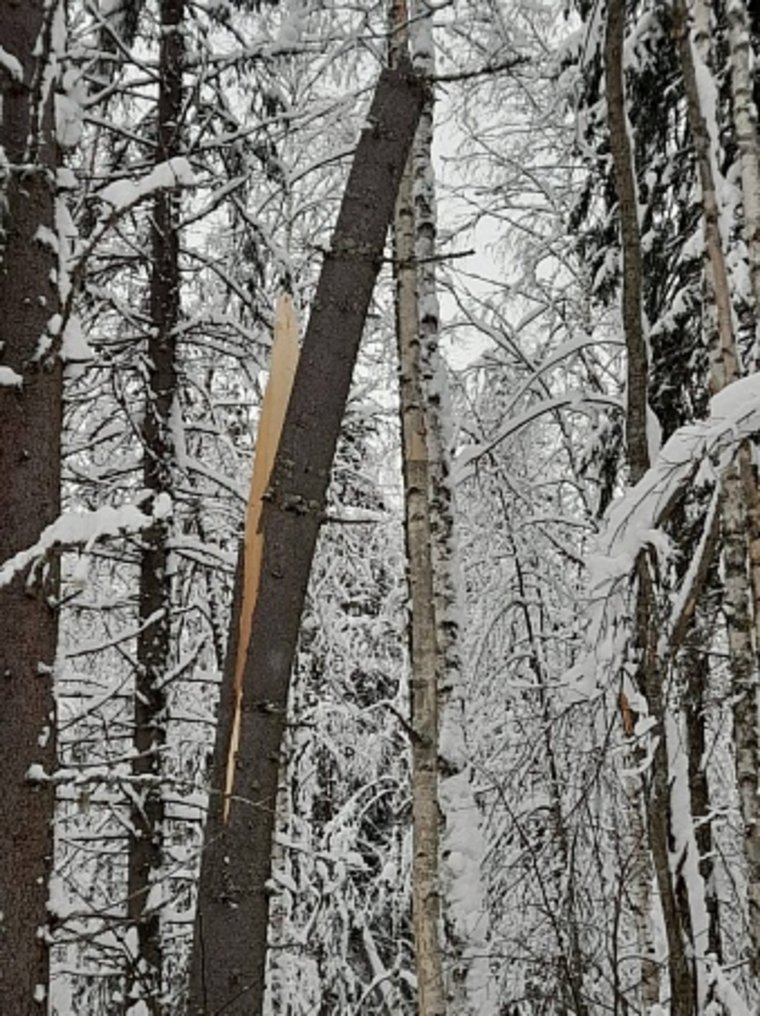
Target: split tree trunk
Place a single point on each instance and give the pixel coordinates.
(154, 641)
(30, 467)
(229, 955)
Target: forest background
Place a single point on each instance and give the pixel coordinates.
(515, 768)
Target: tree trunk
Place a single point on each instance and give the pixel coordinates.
(30, 467)
(468, 981)
(423, 648)
(746, 128)
(748, 752)
(233, 908)
(740, 514)
(696, 667)
(154, 641)
(650, 677)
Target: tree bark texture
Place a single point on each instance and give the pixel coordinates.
(233, 908)
(650, 676)
(423, 647)
(740, 506)
(625, 185)
(748, 140)
(154, 641)
(30, 430)
(465, 934)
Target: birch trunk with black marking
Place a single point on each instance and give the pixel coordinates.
(423, 647)
(465, 935)
(229, 955)
(748, 140)
(740, 514)
(30, 467)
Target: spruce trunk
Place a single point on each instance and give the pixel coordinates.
(30, 467)
(154, 648)
(229, 956)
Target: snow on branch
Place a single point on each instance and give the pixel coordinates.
(84, 529)
(704, 448)
(122, 194)
(698, 452)
(11, 65)
(580, 402)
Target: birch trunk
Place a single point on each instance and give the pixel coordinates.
(466, 930)
(423, 647)
(748, 140)
(740, 514)
(30, 467)
(154, 641)
(746, 129)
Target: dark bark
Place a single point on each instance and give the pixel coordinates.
(154, 650)
(657, 796)
(650, 677)
(30, 429)
(228, 971)
(625, 185)
(696, 665)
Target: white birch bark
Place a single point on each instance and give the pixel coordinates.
(748, 141)
(469, 985)
(741, 503)
(423, 648)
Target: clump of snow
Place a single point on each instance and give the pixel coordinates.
(75, 350)
(36, 773)
(699, 450)
(12, 65)
(10, 378)
(84, 529)
(124, 193)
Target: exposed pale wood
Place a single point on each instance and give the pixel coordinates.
(273, 408)
(229, 956)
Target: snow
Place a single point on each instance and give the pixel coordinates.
(10, 378)
(11, 64)
(124, 193)
(85, 528)
(36, 773)
(75, 350)
(68, 121)
(697, 451)
(634, 519)
(724, 991)
(684, 856)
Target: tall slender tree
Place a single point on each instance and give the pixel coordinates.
(155, 650)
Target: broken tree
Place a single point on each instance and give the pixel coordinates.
(229, 955)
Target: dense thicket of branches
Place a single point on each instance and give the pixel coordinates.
(547, 800)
